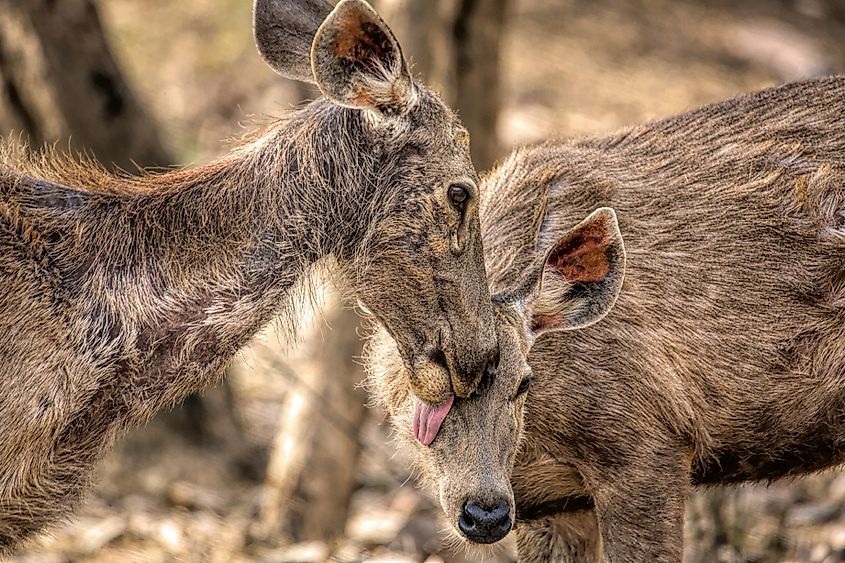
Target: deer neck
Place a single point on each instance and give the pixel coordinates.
(180, 270)
(257, 221)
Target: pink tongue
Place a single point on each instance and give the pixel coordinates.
(428, 418)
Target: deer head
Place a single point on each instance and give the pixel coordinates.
(468, 454)
(415, 261)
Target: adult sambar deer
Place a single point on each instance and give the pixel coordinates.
(121, 295)
(722, 360)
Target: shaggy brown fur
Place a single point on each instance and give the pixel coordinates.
(121, 295)
(723, 359)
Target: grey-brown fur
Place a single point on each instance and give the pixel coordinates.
(122, 295)
(723, 359)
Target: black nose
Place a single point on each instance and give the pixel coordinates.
(483, 523)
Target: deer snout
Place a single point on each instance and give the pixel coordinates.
(463, 380)
(442, 373)
(431, 379)
(467, 375)
(485, 522)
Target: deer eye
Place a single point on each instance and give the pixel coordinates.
(458, 196)
(523, 386)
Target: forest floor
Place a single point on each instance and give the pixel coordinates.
(570, 67)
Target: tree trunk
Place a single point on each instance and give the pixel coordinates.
(455, 46)
(59, 82)
(312, 469)
(477, 32)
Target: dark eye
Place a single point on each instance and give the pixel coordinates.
(523, 386)
(458, 195)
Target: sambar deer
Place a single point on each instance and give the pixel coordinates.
(121, 295)
(722, 360)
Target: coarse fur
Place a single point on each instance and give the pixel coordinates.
(123, 294)
(723, 359)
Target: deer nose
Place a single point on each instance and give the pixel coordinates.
(485, 523)
(467, 376)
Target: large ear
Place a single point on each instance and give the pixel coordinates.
(582, 276)
(358, 62)
(284, 32)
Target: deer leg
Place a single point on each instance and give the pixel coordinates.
(568, 537)
(640, 509)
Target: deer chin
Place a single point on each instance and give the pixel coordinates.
(428, 418)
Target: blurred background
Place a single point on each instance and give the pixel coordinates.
(284, 462)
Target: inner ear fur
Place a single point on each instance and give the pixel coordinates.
(358, 63)
(582, 275)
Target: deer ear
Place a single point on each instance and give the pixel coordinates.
(358, 62)
(284, 31)
(582, 276)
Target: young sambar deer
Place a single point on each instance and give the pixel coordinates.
(722, 360)
(122, 295)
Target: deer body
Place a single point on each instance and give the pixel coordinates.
(723, 359)
(120, 296)
(132, 299)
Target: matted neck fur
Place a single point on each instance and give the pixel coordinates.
(121, 295)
